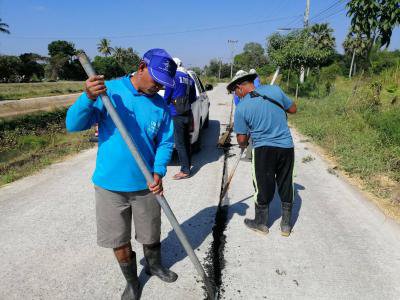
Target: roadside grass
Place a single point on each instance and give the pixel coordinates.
(30, 143)
(359, 125)
(16, 91)
(212, 80)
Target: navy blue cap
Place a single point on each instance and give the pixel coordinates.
(162, 67)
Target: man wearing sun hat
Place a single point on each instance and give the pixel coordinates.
(261, 115)
(121, 191)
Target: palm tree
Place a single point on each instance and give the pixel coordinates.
(3, 27)
(104, 47)
(322, 34)
(119, 54)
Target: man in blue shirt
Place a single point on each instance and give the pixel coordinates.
(236, 99)
(179, 98)
(121, 190)
(261, 115)
(256, 82)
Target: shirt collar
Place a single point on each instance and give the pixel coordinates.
(129, 85)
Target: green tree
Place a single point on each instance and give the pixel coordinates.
(55, 66)
(323, 37)
(298, 48)
(253, 56)
(108, 66)
(104, 47)
(214, 67)
(374, 19)
(197, 70)
(9, 66)
(61, 48)
(355, 42)
(128, 59)
(29, 66)
(3, 27)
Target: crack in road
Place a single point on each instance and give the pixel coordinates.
(215, 261)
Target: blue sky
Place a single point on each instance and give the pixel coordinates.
(195, 31)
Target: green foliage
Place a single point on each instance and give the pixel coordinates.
(387, 124)
(197, 70)
(356, 42)
(358, 124)
(265, 70)
(29, 143)
(61, 53)
(4, 27)
(329, 73)
(104, 47)
(29, 66)
(16, 91)
(127, 59)
(108, 66)
(34, 122)
(252, 57)
(8, 70)
(301, 47)
(384, 60)
(212, 69)
(62, 48)
(72, 70)
(374, 18)
(56, 64)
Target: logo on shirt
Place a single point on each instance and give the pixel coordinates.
(152, 128)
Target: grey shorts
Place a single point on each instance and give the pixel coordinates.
(114, 211)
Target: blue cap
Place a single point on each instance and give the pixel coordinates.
(162, 67)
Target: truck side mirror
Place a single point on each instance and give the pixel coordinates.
(209, 87)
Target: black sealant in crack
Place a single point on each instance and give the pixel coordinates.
(215, 261)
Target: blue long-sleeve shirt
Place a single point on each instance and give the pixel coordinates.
(181, 79)
(148, 122)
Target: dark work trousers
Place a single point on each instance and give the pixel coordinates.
(182, 125)
(272, 165)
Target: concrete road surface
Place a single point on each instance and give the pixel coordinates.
(48, 237)
(341, 247)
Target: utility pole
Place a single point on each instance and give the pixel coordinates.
(352, 62)
(219, 70)
(306, 16)
(231, 44)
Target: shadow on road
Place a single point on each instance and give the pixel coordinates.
(275, 206)
(197, 229)
(208, 150)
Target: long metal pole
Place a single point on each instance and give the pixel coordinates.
(275, 76)
(228, 182)
(84, 60)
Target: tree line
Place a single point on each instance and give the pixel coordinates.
(62, 63)
(312, 48)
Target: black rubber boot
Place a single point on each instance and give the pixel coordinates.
(286, 228)
(152, 254)
(132, 289)
(259, 224)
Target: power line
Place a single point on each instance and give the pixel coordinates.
(331, 15)
(160, 33)
(327, 10)
(320, 15)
